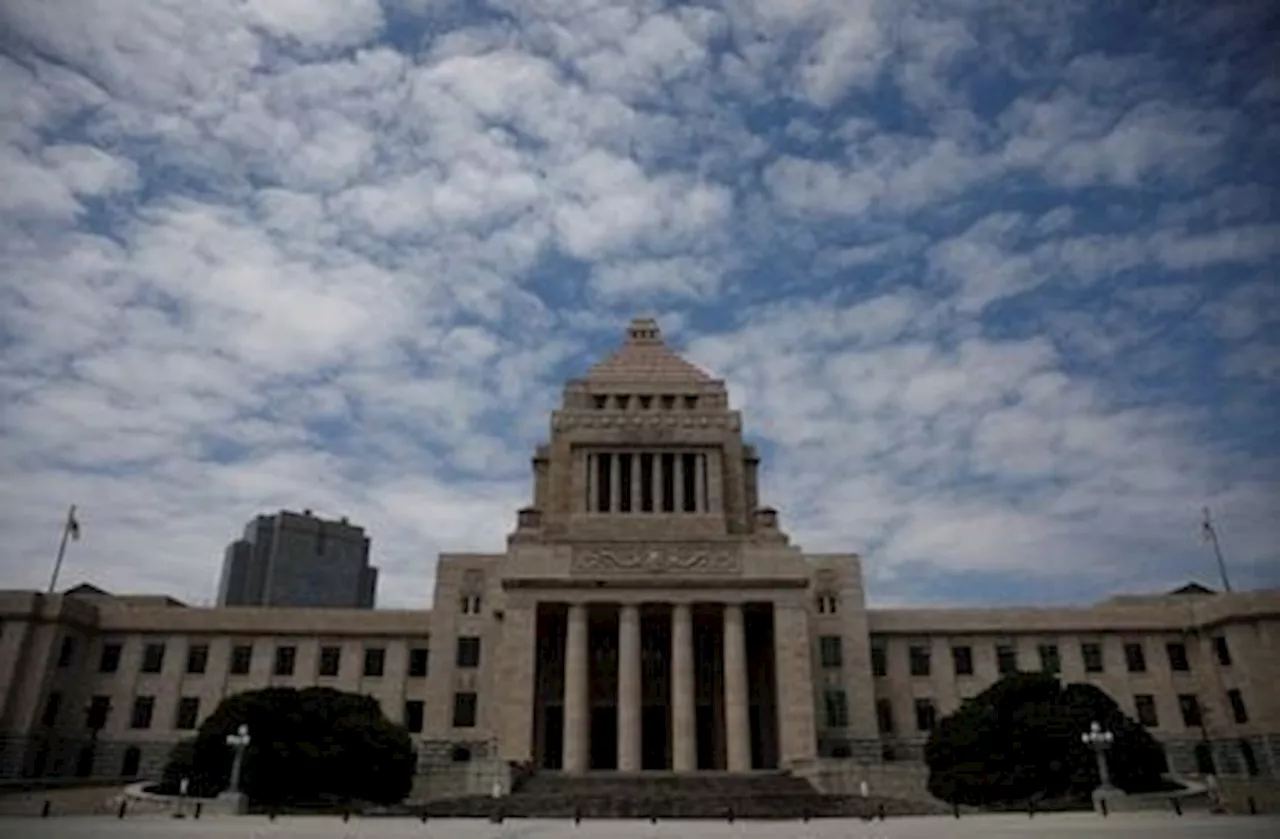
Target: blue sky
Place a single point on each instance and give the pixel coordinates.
(993, 282)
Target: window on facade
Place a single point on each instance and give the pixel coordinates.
(1249, 758)
(413, 715)
(1177, 656)
(926, 714)
(375, 660)
(330, 661)
(468, 651)
(879, 663)
(1006, 659)
(622, 401)
(241, 659)
(919, 656)
(1238, 711)
(464, 709)
(691, 403)
(99, 707)
(888, 753)
(143, 708)
(1050, 661)
(837, 708)
(826, 604)
(962, 660)
(668, 403)
(668, 475)
(646, 402)
(131, 762)
(1092, 655)
(829, 646)
(884, 716)
(419, 662)
(1144, 705)
(153, 658)
(52, 703)
(470, 604)
(67, 651)
(600, 401)
(1189, 705)
(109, 661)
(1135, 659)
(460, 754)
(286, 658)
(689, 476)
(1222, 651)
(188, 713)
(197, 658)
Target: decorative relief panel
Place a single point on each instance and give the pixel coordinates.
(650, 559)
(644, 422)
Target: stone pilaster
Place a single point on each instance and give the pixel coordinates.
(517, 656)
(684, 744)
(629, 688)
(736, 718)
(796, 744)
(575, 691)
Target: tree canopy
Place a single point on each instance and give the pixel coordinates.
(1020, 740)
(307, 745)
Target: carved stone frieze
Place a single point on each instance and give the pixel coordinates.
(651, 422)
(656, 559)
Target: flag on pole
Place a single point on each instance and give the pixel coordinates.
(73, 526)
(1206, 529)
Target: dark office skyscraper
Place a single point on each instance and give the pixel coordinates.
(291, 559)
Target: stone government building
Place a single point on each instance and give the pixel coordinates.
(649, 613)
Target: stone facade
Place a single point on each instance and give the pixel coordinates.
(648, 613)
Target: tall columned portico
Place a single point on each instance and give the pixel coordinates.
(642, 676)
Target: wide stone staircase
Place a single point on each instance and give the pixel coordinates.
(704, 795)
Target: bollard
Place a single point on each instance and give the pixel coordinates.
(199, 806)
(880, 811)
(728, 815)
(1102, 805)
(124, 805)
(346, 816)
(955, 810)
(424, 816)
(653, 818)
(804, 816)
(44, 811)
(577, 815)
(1031, 809)
(1177, 806)
(1253, 806)
(271, 814)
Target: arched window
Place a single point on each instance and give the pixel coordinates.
(132, 759)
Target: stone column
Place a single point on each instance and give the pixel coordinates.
(700, 483)
(615, 483)
(637, 500)
(684, 744)
(592, 496)
(575, 691)
(678, 483)
(629, 688)
(655, 479)
(736, 717)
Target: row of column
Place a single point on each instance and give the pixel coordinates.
(610, 501)
(577, 712)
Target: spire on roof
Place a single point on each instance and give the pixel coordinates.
(645, 357)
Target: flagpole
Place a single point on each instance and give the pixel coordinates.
(1211, 534)
(62, 547)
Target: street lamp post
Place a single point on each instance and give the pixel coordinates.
(1099, 740)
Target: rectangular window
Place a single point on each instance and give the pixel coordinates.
(99, 707)
(67, 651)
(153, 658)
(919, 661)
(1190, 707)
(286, 658)
(197, 658)
(188, 713)
(668, 476)
(109, 661)
(143, 707)
(1092, 655)
(962, 660)
(1238, 711)
(837, 708)
(879, 663)
(413, 715)
(829, 645)
(1250, 759)
(624, 483)
(1135, 658)
(884, 716)
(51, 706)
(1006, 659)
(419, 662)
(646, 478)
(1144, 705)
(241, 659)
(1177, 657)
(468, 651)
(926, 715)
(604, 471)
(375, 661)
(1050, 661)
(464, 710)
(1222, 651)
(330, 661)
(689, 474)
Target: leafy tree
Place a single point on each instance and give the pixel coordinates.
(1020, 739)
(308, 745)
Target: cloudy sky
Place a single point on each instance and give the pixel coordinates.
(994, 282)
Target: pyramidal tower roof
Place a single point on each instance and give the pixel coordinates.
(645, 357)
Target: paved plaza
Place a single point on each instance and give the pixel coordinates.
(1063, 826)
